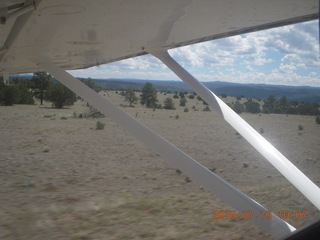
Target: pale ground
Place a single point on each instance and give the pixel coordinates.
(104, 184)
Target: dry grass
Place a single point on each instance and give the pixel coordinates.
(107, 185)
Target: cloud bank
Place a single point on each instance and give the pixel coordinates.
(287, 55)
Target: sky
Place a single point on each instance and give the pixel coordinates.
(287, 55)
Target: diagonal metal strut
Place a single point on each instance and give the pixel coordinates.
(212, 182)
(310, 190)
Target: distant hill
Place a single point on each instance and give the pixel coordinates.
(119, 84)
(301, 93)
(262, 91)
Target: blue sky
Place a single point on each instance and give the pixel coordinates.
(286, 56)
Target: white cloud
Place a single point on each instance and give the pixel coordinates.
(145, 67)
(299, 43)
(235, 59)
(224, 52)
(286, 68)
(144, 63)
(249, 68)
(313, 74)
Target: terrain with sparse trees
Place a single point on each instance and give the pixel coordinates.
(43, 87)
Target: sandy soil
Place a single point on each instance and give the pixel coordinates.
(63, 179)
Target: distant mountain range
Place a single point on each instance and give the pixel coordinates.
(262, 91)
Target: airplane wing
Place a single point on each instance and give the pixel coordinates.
(77, 34)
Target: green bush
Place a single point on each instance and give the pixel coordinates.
(206, 109)
(238, 107)
(183, 101)
(60, 95)
(9, 95)
(252, 107)
(181, 94)
(15, 94)
(46, 149)
(49, 115)
(169, 104)
(158, 106)
(300, 127)
(100, 125)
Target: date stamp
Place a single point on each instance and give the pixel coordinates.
(250, 214)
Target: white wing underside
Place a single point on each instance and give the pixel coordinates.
(77, 34)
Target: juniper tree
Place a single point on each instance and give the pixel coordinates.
(149, 95)
(60, 95)
(168, 104)
(130, 96)
(40, 83)
(183, 102)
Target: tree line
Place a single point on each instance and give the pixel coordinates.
(41, 86)
(148, 97)
(276, 105)
(271, 104)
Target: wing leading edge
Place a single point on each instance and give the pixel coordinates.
(77, 34)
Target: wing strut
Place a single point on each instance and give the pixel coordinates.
(279, 161)
(212, 182)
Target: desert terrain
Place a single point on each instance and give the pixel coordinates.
(61, 178)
